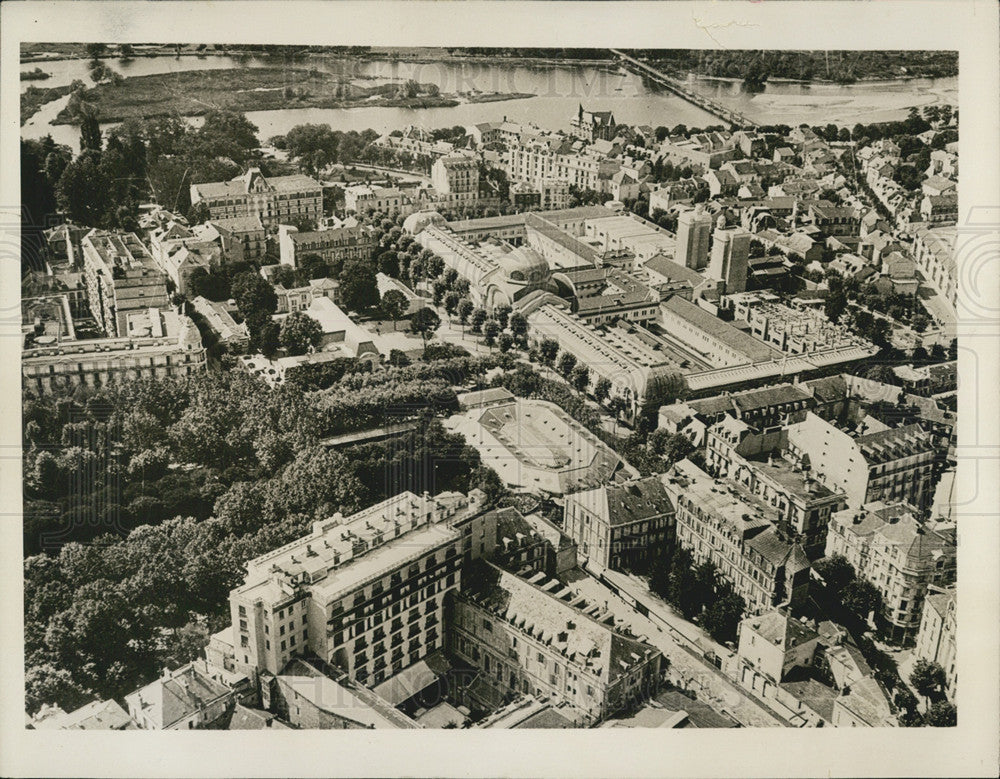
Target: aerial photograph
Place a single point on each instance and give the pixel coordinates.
(487, 388)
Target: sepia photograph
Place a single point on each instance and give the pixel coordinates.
(492, 387)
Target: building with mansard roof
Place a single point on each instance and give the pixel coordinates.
(275, 200)
(534, 636)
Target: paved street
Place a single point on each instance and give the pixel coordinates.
(698, 639)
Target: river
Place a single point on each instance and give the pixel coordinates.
(558, 90)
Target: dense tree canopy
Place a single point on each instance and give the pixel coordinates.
(299, 333)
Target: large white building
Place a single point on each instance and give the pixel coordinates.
(891, 465)
(535, 159)
(535, 637)
(456, 177)
(365, 593)
(694, 227)
(934, 253)
(730, 251)
(153, 344)
(936, 637)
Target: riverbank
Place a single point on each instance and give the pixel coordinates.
(196, 92)
(33, 98)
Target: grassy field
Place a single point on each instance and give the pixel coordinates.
(195, 92)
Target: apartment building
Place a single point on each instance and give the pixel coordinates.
(892, 465)
(96, 715)
(760, 461)
(456, 177)
(535, 637)
(365, 593)
(722, 522)
(545, 158)
(275, 200)
(220, 321)
(935, 640)
(809, 673)
(360, 198)
(890, 546)
(121, 277)
(834, 220)
(621, 525)
(335, 246)
(154, 344)
(179, 252)
(242, 238)
(934, 253)
(703, 151)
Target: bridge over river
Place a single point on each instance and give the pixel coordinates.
(732, 118)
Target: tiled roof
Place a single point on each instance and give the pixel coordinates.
(894, 443)
(546, 718)
(817, 696)
(749, 346)
(484, 397)
(939, 600)
(782, 630)
(673, 271)
(239, 224)
(700, 714)
(869, 701)
(184, 693)
(543, 609)
(96, 715)
(713, 406)
(829, 388)
(329, 696)
(623, 504)
(549, 230)
(246, 718)
(776, 550)
(766, 397)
